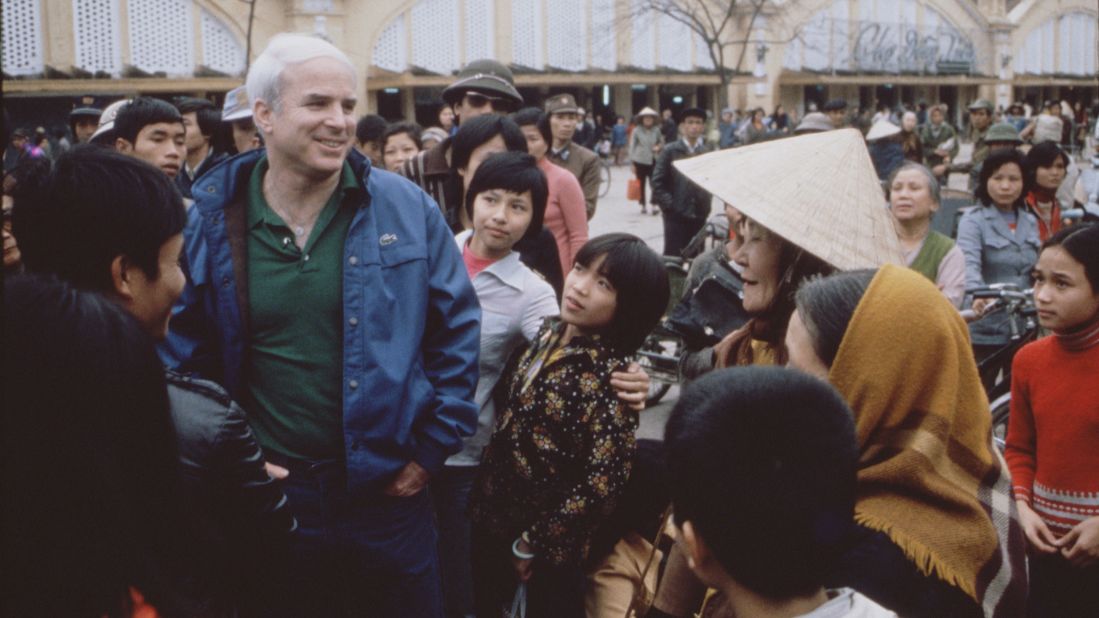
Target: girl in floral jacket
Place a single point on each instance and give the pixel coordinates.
(560, 454)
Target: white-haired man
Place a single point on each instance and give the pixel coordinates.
(331, 300)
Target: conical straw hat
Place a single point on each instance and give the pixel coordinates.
(882, 128)
(818, 191)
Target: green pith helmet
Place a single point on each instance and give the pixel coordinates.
(984, 104)
(1002, 132)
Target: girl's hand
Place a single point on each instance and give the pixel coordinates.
(523, 567)
(631, 386)
(1039, 536)
(1081, 545)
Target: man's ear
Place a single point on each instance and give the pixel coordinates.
(123, 146)
(262, 116)
(121, 276)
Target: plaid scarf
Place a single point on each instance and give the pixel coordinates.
(929, 476)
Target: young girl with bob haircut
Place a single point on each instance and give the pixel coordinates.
(1051, 437)
(561, 450)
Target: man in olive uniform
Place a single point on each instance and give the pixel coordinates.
(940, 142)
(1000, 136)
(582, 162)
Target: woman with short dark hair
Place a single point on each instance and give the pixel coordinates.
(1045, 168)
(1000, 241)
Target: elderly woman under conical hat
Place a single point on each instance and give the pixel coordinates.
(813, 205)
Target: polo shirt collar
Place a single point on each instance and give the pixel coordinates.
(348, 183)
(508, 269)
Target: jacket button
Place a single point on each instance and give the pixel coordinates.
(353, 384)
(352, 260)
(353, 321)
(225, 282)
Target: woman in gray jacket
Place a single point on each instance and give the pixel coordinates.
(1000, 241)
(646, 140)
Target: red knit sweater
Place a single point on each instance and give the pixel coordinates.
(1053, 433)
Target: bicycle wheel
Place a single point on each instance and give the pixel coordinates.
(1001, 412)
(604, 178)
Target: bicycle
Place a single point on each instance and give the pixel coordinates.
(694, 319)
(604, 175)
(995, 369)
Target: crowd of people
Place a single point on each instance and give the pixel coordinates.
(291, 362)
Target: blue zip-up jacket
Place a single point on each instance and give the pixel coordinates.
(411, 321)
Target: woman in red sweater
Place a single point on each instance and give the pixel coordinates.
(1053, 434)
(1045, 168)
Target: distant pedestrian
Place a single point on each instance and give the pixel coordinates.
(564, 151)
(83, 121)
(684, 205)
(368, 137)
(400, 142)
(238, 113)
(202, 120)
(618, 139)
(939, 141)
(836, 109)
(726, 128)
(669, 127)
(646, 140)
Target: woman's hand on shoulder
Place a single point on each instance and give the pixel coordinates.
(631, 386)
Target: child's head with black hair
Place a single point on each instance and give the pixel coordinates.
(106, 222)
(368, 137)
(1066, 279)
(762, 464)
(506, 200)
(618, 288)
(400, 142)
(481, 136)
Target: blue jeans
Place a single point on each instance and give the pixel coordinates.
(450, 493)
(358, 554)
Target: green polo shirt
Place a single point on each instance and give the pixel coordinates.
(294, 365)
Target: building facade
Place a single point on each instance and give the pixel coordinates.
(613, 55)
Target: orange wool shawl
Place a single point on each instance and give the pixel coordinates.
(928, 475)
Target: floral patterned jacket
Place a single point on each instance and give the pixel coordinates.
(561, 452)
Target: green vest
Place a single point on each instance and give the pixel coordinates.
(935, 247)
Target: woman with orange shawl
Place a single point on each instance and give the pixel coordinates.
(939, 534)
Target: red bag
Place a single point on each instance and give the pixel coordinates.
(633, 189)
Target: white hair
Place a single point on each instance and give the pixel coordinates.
(283, 50)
